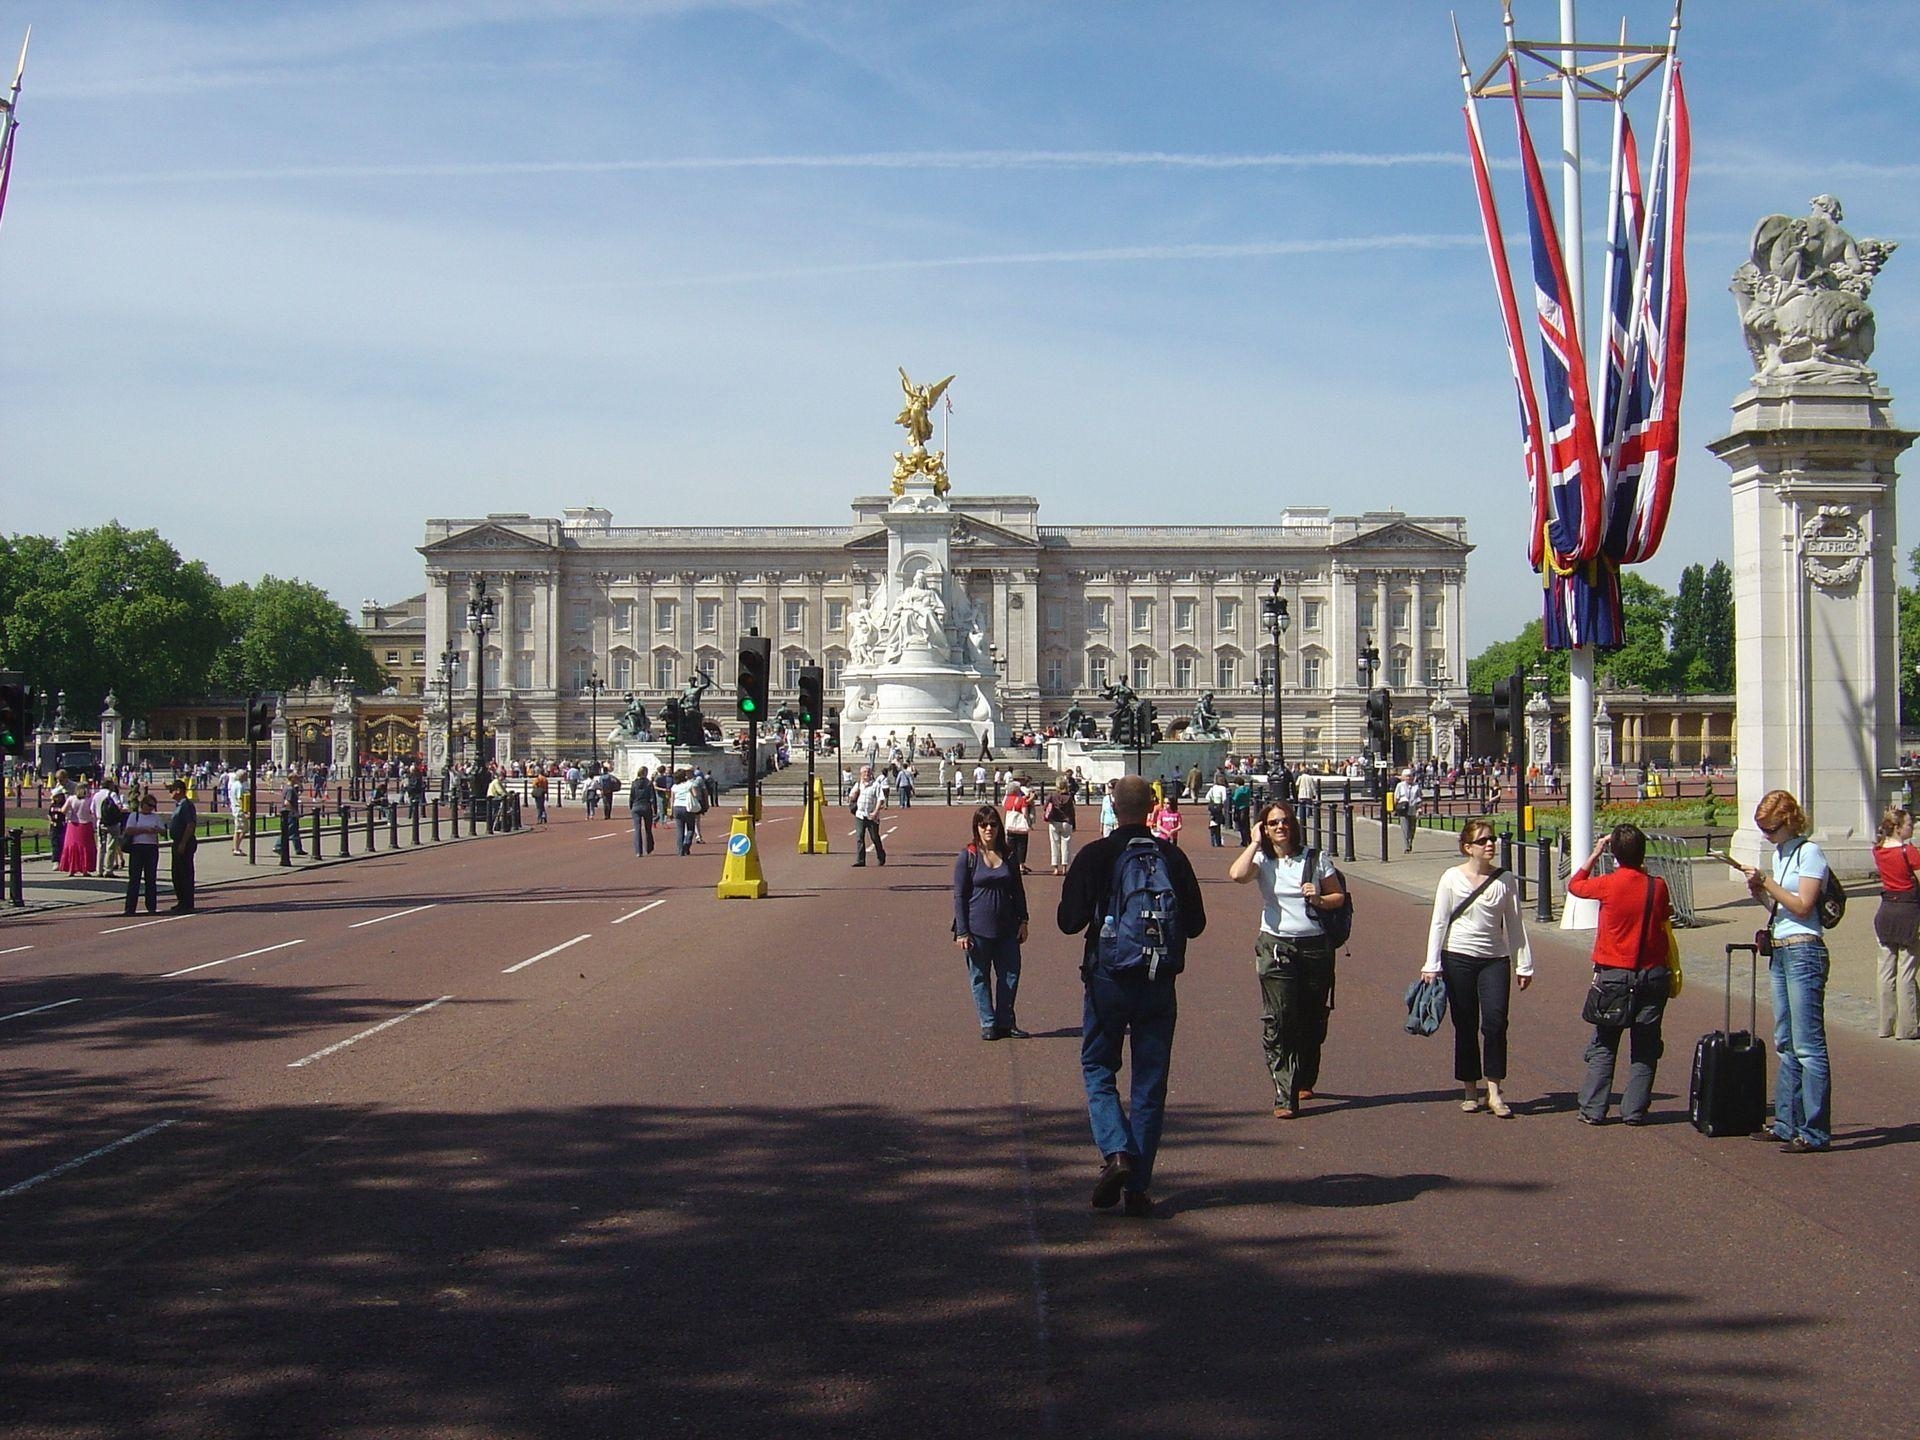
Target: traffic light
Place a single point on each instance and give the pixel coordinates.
(833, 729)
(13, 718)
(754, 661)
(812, 696)
(259, 719)
(1379, 720)
(1510, 709)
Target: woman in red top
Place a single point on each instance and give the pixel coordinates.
(1630, 975)
(1896, 924)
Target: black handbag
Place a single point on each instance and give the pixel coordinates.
(1609, 998)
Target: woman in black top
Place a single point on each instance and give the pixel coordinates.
(990, 923)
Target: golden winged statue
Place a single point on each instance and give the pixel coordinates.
(916, 414)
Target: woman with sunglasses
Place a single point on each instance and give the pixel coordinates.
(990, 922)
(1291, 953)
(1803, 1092)
(1477, 940)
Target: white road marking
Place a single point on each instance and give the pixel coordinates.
(651, 905)
(38, 1008)
(394, 916)
(231, 958)
(122, 929)
(778, 818)
(16, 950)
(610, 835)
(339, 1045)
(79, 1160)
(533, 959)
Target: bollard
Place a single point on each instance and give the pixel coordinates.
(416, 824)
(1543, 908)
(313, 850)
(1385, 856)
(288, 835)
(1506, 850)
(1520, 867)
(393, 827)
(346, 820)
(453, 809)
(1348, 852)
(435, 817)
(16, 894)
(371, 817)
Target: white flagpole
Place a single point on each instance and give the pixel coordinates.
(1576, 914)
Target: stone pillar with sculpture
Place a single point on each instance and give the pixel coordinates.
(346, 757)
(280, 737)
(1539, 727)
(111, 733)
(1443, 731)
(1812, 450)
(1602, 737)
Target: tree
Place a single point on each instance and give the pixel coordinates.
(1523, 652)
(284, 634)
(1689, 625)
(1716, 629)
(1907, 607)
(110, 609)
(1643, 660)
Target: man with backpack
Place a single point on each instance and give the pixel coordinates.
(1139, 904)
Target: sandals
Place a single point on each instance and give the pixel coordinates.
(1470, 1107)
(1500, 1109)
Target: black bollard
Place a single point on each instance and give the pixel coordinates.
(416, 823)
(435, 817)
(346, 821)
(1385, 825)
(453, 808)
(1506, 851)
(313, 850)
(371, 817)
(16, 895)
(1348, 852)
(1543, 907)
(393, 827)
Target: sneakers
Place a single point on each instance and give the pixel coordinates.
(1113, 1179)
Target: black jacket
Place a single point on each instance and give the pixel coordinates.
(1090, 877)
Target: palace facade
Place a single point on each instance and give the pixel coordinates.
(1172, 610)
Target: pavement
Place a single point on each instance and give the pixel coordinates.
(535, 1137)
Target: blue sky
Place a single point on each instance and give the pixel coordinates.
(283, 280)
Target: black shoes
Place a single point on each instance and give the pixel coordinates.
(1139, 1205)
(989, 1034)
(1113, 1179)
(1014, 1032)
(1768, 1134)
(1797, 1146)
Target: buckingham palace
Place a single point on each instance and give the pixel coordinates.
(588, 612)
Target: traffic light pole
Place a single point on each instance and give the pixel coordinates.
(250, 812)
(806, 804)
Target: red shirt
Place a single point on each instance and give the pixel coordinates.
(1631, 937)
(1896, 864)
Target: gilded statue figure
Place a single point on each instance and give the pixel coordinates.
(917, 414)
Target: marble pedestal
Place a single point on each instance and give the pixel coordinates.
(1815, 566)
(728, 767)
(1102, 762)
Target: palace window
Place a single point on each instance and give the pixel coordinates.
(1056, 677)
(393, 657)
(1309, 671)
(1099, 614)
(1227, 616)
(753, 614)
(1430, 614)
(1400, 609)
(419, 657)
(1184, 613)
(1399, 666)
(663, 672)
(836, 667)
(577, 616)
(1097, 672)
(1226, 672)
(1142, 671)
(709, 616)
(1142, 615)
(1436, 663)
(623, 616)
(1364, 612)
(663, 616)
(1056, 616)
(836, 615)
(793, 615)
(791, 669)
(523, 670)
(582, 669)
(623, 673)
(1183, 672)
(1310, 614)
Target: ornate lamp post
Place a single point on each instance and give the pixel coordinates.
(999, 663)
(1274, 609)
(594, 686)
(1260, 682)
(480, 613)
(1369, 665)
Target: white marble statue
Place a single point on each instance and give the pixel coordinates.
(1803, 295)
(918, 620)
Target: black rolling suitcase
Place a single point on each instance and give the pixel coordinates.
(1729, 1091)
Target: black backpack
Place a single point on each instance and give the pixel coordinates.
(1337, 923)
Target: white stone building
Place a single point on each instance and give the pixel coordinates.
(1173, 610)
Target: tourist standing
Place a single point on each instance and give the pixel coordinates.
(1292, 956)
(143, 830)
(183, 836)
(1630, 976)
(1803, 1092)
(1477, 947)
(990, 923)
(1059, 816)
(78, 851)
(641, 804)
(1896, 925)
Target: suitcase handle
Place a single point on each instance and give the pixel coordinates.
(1753, 984)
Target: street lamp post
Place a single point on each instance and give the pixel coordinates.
(594, 686)
(1275, 609)
(1369, 663)
(999, 663)
(1260, 682)
(449, 658)
(480, 613)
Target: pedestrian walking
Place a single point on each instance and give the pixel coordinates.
(1477, 947)
(869, 799)
(1803, 1091)
(641, 804)
(290, 819)
(143, 831)
(1107, 818)
(1407, 798)
(1292, 955)
(1148, 905)
(593, 796)
(540, 799)
(1019, 811)
(183, 838)
(111, 812)
(1165, 821)
(1058, 813)
(1630, 976)
(990, 923)
(1896, 925)
(240, 804)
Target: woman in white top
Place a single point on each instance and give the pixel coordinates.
(1291, 953)
(1477, 936)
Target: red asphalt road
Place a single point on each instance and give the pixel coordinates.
(729, 1166)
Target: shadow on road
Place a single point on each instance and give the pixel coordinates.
(852, 1271)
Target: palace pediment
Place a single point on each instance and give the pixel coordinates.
(484, 538)
(1401, 535)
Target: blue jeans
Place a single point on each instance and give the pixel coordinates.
(683, 831)
(1148, 1009)
(993, 963)
(1803, 1094)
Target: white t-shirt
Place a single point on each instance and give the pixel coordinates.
(1283, 909)
(870, 799)
(683, 795)
(1491, 926)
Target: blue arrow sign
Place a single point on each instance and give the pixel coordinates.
(740, 844)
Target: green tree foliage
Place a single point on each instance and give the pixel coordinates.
(118, 610)
(1683, 644)
(1908, 610)
(286, 633)
(105, 610)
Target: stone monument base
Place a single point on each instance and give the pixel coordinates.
(728, 767)
(1101, 762)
